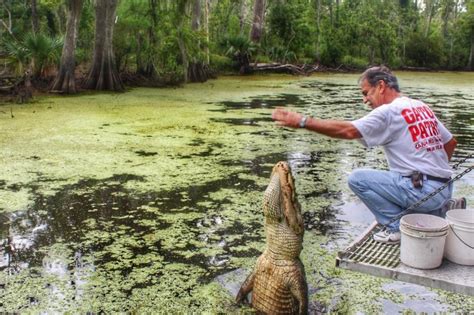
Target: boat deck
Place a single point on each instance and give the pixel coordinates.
(378, 259)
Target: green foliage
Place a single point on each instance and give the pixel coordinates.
(289, 32)
(281, 54)
(238, 45)
(153, 37)
(223, 21)
(355, 62)
(240, 49)
(221, 63)
(85, 39)
(169, 68)
(332, 50)
(53, 4)
(133, 49)
(44, 51)
(423, 51)
(17, 56)
(19, 14)
(37, 51)
(373, 38)
(233, 28)
(465, 34)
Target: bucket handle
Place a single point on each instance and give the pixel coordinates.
(422, 234)
(459, 238)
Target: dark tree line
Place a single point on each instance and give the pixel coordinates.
(100, 43)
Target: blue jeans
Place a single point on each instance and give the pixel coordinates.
(387, 194)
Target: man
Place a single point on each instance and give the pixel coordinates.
(417, 146)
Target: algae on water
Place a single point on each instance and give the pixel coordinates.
(139, 201)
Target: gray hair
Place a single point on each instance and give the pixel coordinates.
(374, 74)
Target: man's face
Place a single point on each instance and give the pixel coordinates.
(371, 94)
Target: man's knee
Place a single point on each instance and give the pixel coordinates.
(355, 179)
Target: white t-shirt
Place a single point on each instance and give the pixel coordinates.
(411, 135)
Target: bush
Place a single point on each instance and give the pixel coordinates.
(240, 49)
(220, 63)
(263, 59)
(423, 51)
(457, 58)
(307, 61)
(355, 62)
(331, 53)
(38, 50)
(281, 54)
(288, 30)
(396, 62)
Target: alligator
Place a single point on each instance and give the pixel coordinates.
(278, 282)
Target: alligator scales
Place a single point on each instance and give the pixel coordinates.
(278, 282)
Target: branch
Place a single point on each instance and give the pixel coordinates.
(9, 26)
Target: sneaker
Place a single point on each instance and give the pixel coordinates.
(459, 203)
(453, 203)
(387, 237)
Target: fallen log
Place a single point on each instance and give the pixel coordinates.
(278, 67)
(6, 90)
(424, 69)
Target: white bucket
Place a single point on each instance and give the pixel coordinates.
(422, 240)
(459, 246)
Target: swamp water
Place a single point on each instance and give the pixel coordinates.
(142, 201)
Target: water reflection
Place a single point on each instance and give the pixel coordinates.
(242, 121)
(264, 102)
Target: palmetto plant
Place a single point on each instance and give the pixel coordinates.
(282, 54)
(15, 56)
(32, 51)
(240, 49)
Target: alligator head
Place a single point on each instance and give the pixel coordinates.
(280, 202)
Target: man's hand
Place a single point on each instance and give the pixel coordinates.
(287, 118)
(449, 147)
(333, 128)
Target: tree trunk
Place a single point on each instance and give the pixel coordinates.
(258, 19)
(206, 29)
(34, 16)
(318, 23)
(141, 68)
(430, 9)
(181, 8)
(447, 9)
(184, 57)
(65, 81)
(196, 15)
(331, 19)
(197, 71)
(7, 26)
(61, 15)
(103, 74)
(149, 69)
(242, 16)
(451, 43)
(470, 63)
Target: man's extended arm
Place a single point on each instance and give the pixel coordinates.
(333, 128)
